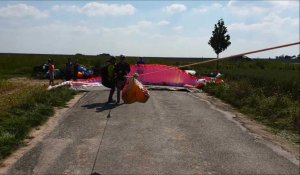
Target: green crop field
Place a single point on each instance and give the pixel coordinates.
(15, 65)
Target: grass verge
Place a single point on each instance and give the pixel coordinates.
(280, 112)
(23, 108)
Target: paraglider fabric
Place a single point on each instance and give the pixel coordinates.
(80, 74)
(84, 72)
(149, 74)
(90, 84)
(155, 74)
(134, 91)
(82, 69)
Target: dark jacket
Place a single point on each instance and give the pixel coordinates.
(122, 69)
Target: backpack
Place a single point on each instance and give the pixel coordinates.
(104, 76)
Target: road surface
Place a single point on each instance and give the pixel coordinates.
(173, 133)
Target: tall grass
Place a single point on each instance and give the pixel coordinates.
(25, 109)
(267, 91)
(6, 86)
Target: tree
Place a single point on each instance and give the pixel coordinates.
(219, 40)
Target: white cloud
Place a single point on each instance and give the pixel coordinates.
(243, 9)
(50, 38)
(63, 38)
(281, 21)
(252, 45)
(248, 27)
(270, 31)
(178, 28)
(145, 24)
(169, 46)
(144, 36)
(216, 5)
(59, 28)
(248, 8)
(269, 24)
(22, 11)
(201, 10)
(142, 25)
(99, 9)
(56, 8)
(230, 3)
(175, 8)
(124, 31)
(163, 23)
(140, 28)
(283, 5)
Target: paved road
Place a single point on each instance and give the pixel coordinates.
(173, 133)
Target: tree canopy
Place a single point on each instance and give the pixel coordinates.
(219, 40)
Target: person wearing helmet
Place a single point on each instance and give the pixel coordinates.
(122, 69)
(75, 70)
(140, 61)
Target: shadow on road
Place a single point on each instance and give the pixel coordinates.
(100, 107)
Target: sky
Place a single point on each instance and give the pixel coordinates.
(147, 28)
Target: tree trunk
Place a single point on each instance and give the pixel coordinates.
(217, 62)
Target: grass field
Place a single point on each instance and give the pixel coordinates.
(266, 90)
(14, 65)
(24, 106)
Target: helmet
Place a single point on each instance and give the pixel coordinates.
(122, 56)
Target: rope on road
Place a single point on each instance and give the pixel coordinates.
(107, 118)
(224, 58)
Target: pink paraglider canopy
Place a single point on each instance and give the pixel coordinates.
(149, 74)
(156, 74)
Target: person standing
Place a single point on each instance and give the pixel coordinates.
(68, 70)
(140, 68)
(75, 70)
(140, 61)
(111, 78)
(51, 72)
(122, 69)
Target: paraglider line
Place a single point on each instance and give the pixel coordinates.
(107, 118)
(233, 56)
